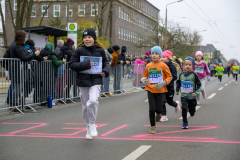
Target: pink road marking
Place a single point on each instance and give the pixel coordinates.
(180, 126)
(134, 139)
(114, 130)
(40, 125)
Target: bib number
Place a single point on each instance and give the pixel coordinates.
(155, 76)
(199, 69)
(235, 72)
(186, 86)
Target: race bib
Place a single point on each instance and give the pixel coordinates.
(199, 69)
(186, 86)
(219, 72)
(97, 64)
(155, 76)
(235, 72)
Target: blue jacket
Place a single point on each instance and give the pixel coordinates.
(172, 68)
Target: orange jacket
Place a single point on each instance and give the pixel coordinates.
(115, 58)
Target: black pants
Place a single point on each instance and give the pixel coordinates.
(155, 101)
(168, 98)
(228, 73)
(235, 76)
(220, 78)
(188, 105)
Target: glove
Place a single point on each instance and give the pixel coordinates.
(208, 78)
(160, 85)
(144, 80)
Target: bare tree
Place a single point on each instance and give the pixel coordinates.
(3, 25)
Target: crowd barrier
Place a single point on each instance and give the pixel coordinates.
(27, 84)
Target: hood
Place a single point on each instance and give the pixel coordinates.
(66, 47)
(139, 61)
(48, 46)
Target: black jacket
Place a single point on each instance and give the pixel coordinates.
(59, 53)
(198, 83)
(172, 68)
(228, 68)
(121, 57)
(178, 62)
(67, 51)
(88, 80)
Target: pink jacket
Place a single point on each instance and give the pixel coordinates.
(203, 70)
(139, 68)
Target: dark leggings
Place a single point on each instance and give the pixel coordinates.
(155, 101)
(168, 98)
(236, 76)
(188, 105)
(220, 78)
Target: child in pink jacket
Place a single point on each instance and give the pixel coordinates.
(202, 70)
(138, 71)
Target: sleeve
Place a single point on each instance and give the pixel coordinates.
(55, 61)
(198, 85)
(178, 84)
(168, 74)
(110, 56)
(173, 72)
(207, 69)
(75, 63)
(7, 54)
(114, 60)
(145, 74)
(21, 52)
(106, 66)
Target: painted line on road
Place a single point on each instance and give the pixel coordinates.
(188, 115)
(230, 82)
(225, 84)
(146, 100)
(220, 88)
(211, 96)
(137, 153)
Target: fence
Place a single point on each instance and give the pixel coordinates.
(30, 83)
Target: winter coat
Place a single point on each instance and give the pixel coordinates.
(228, 68)
(173, 71)
(139, 69)
(115, 58)
(59, 53)
(88, 80)
(67, 51)
(147, 60)
(121, 57)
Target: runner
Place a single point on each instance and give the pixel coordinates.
(190, 87)
(220, 71)
(202, 70)
(168, 96)
(156, 75)
(90, 63)
(235, 70)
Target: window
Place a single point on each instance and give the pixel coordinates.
(119, 32)
(44, 8)
(81, 10)
(94, 8)
(120, 10)
(124, 36)
(15, 5)
(56, 11)
(131, 36)
(96, 29)
(33, 14)
(70, 10)
(14, 21)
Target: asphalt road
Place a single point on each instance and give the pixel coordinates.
(123, 124)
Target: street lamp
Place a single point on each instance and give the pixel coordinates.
(159, 35)
(166, 15)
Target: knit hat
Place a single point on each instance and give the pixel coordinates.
(70, 41)
(157, 49)
(235, 63)
(190, 59)
(110, 50)
(167, 54)
(115, 47)
(124, 49)
(199, 53)
(147, 54)
(90, 32)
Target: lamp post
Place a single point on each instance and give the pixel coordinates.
(159, 35)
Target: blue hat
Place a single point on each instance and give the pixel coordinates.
(190, 59)
(157, 49)
(235, 62)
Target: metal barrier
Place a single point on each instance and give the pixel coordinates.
(31, 83)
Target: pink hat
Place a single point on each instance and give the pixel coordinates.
(199, 53)
(167, 54)
(147, 54)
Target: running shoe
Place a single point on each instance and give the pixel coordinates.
(152, 130)
(204, 95)
(88, 136)
(177, 109)
(185, 126)
(164, 118)
(192, 114)
(93, 130)
(198, 102)
(158, 117)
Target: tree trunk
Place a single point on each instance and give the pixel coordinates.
(44, 13)
(3, 26)
(29, 11)
(111, 26)
(10, 7)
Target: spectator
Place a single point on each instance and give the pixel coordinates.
(57, 50)
(138, 71)
(146, 58)
(116, 74)
(128, 69)
(106, 80)
(18, 51)
(133, 59)
(212, 69)
(228, 70)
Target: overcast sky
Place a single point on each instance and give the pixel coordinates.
(221, 20)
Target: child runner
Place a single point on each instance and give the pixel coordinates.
(202, 70)
(156, 75)
(190, 87)
(228, 70)
(168, 96)
(90, 62)
(220, 71)
(235, 70)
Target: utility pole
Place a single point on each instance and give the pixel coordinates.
(67, 11)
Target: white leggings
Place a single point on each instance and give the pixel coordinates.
(89, 98)
(202, 87)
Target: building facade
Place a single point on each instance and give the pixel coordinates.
(133, 21)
